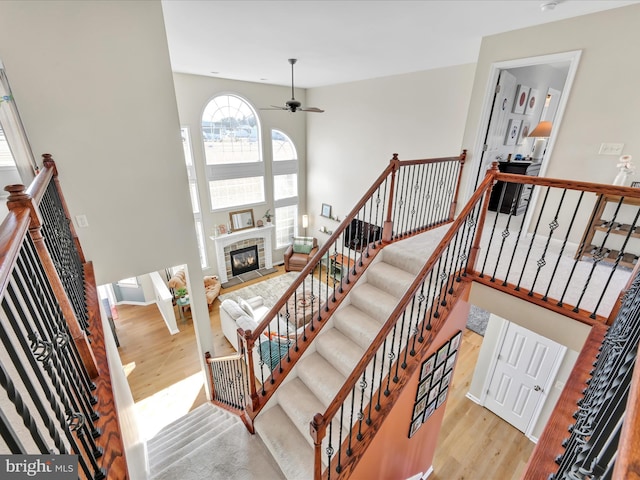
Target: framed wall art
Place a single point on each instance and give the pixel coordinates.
(520, 100)
(524, 132)
(454, 343)
(427, 367)
(415, 425)
(423, 387)
(326, 210)
(428, 411)
(532, 102)
(442, 354)
(512, 132)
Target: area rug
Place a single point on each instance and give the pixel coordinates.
(477, 320)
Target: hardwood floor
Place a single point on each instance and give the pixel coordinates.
(474, 442)
(166, 383)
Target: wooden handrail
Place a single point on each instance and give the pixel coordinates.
(321, 421)
(597, 188)
(26, 263)
(249, 338)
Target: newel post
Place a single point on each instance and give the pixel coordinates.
(314, 430)
(475, 249)
(18, 198)
(454, 203)
(246, 344)
(387, 229)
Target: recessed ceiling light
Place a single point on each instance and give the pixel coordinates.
(548, 6)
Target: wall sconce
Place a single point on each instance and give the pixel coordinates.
(541, 133)
(305, 223)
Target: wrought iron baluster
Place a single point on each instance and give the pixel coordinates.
(533, 237)
(564, 243)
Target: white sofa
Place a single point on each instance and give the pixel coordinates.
(247, 314)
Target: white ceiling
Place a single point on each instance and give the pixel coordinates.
(337, 41)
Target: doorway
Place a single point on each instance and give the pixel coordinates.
(520, 376)
(520, 94)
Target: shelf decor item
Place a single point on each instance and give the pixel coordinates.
(626, 168)
(326, 210)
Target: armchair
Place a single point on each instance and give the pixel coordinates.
(299, 253)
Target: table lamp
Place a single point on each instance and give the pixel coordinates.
(305, 223)
(541, 133)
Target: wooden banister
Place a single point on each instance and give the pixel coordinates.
(20, 199)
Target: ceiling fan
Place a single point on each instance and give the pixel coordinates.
(294, 105)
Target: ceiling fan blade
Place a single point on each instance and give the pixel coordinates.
(312, 109)
(274, 107)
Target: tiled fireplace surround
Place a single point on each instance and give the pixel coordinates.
(245, 238)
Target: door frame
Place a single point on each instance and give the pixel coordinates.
(573, 57)
(546, 388)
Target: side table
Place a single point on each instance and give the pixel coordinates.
(183, 303)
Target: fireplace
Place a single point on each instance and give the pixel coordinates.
(244, 260)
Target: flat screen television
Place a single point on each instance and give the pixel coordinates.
(359, 234)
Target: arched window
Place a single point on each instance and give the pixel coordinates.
(233, 153)
(285, 187)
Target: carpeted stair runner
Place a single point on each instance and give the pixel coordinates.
(209, 443)
(317, 377)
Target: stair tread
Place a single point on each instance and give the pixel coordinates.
(202, 410)
(320, 377)
(357, 325)
(162, 459)
(390, 278)
(361, 297)
(342, 352)
(233, 454)
(213, 425)
(286, 444)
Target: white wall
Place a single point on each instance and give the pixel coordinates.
(94, 87)
(418, 115)
(604, 101)
(193, 93)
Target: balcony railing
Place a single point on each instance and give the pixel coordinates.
(56, 379)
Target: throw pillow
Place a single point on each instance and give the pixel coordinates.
(244, 305)
(302, 244)
(232, 308)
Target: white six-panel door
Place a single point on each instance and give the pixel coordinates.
(522, 372)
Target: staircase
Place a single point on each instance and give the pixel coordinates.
(209, 442)
(317, 377)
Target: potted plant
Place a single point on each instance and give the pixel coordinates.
(267, 216)
(180, 292)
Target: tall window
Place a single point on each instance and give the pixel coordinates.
(195, 199)
(285, 187)
(235, 171)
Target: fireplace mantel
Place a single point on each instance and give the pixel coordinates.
(226, 239)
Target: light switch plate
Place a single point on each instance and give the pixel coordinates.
(611, 148)
(82, 221)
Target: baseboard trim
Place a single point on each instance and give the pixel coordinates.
(428, 473)
(473, 398)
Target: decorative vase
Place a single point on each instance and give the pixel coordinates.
(621, 178)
